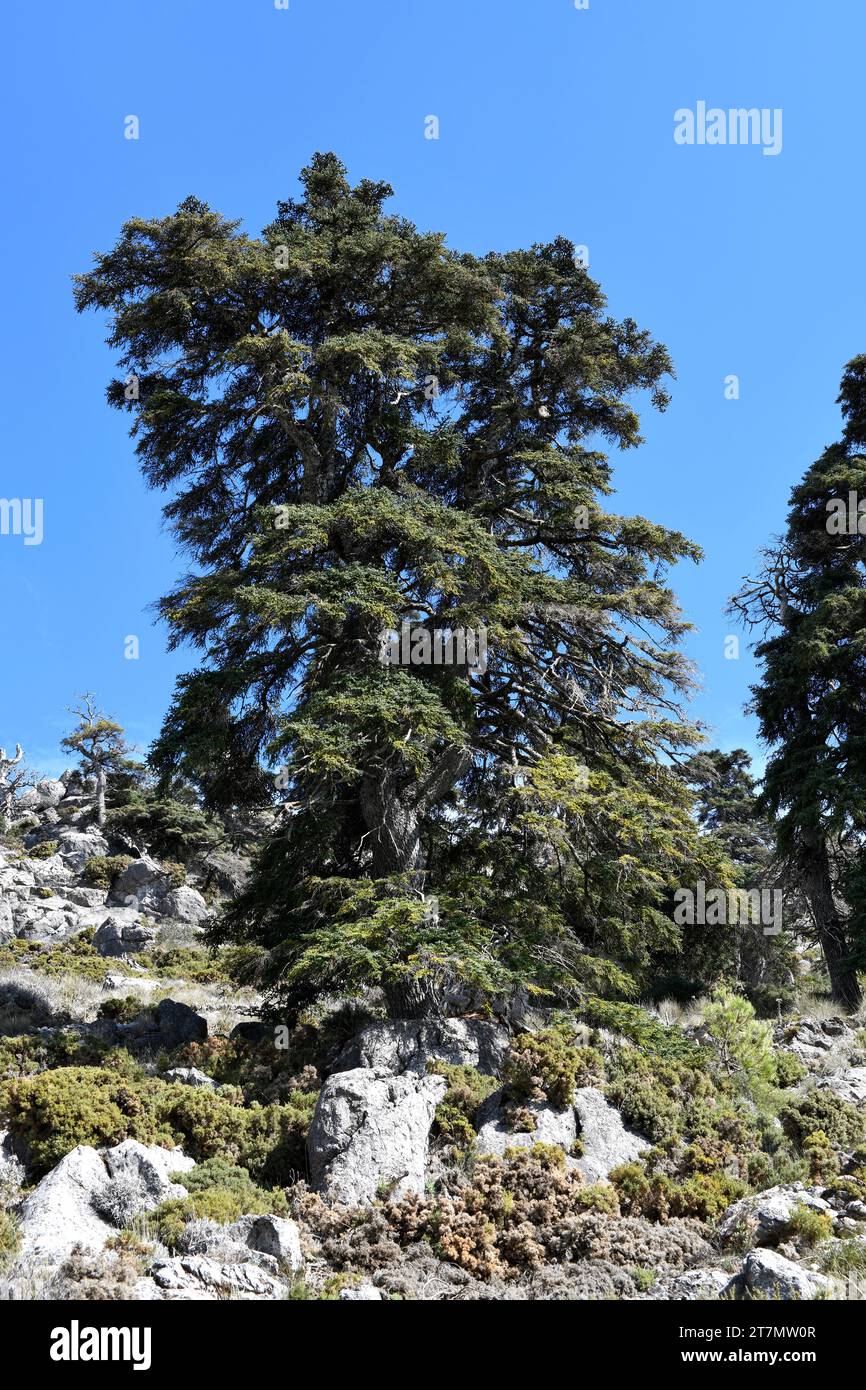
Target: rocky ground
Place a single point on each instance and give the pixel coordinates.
(158, 1140)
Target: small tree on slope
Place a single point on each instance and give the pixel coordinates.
(100, 744)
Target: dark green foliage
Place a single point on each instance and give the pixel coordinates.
(809, 604)
(101, 870)
(170, 828)
(646, 1032)
(358, 427)
(121, 1010)
(728, 809)
(843, 1124)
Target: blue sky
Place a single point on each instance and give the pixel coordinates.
(553, 120)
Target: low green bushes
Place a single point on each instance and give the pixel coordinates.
(54, 1111)
(467, 1089)
(218, 1191)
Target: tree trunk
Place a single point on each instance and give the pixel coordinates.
(100, 796)
(392, 809)
(818, 887)
(412, 998)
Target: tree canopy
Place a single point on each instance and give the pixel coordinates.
(358, 428)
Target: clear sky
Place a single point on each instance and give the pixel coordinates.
(552, 120)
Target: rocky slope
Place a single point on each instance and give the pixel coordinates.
(158, 1140)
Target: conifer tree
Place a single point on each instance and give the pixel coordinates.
(99, 743)
(809, 599)
(360, 428)
(728, 807)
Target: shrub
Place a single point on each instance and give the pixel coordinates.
(176, 873)
(789, 1069)
(743, 1044)
(190, 963)
(809, 1227)
(101, 870)
(31, 1053)
(821, 1156)
(546, 1066)
(703, 1196)
(121, 1010)
(218, 1191)
(75, 956)
(842, 1123)
(46, 850)
(467, 1088)
(9, 1237)
(56, 1110)
(642, 1029)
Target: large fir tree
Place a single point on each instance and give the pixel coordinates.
(810, 601)
(359, 427)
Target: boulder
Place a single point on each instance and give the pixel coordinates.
(84, 1199)
(143, 883)
(765, 1216)
(7, 924)
(270, 1235)
(361, 1293)
(409, 1044)
(178, 1024)
(54, 872)
(252, 1031)
(49, 792)
(226, 869)
(848, 1083)
(77, 846)
(11, 1168)
(25, 1006)
(117, 938)
(605, 1141)
(60, 1212)
(694, 1285)
(190, 1076)
(370, 1132)
(196, 1276)
(151, 1166)
(93, 898)
(185, 905)
(551, 1127)
(769, 1274)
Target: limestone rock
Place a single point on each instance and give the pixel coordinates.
(765, 1216)
(768, 1273)
(409, 1044)
(370, 1131)
(606, 1141)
